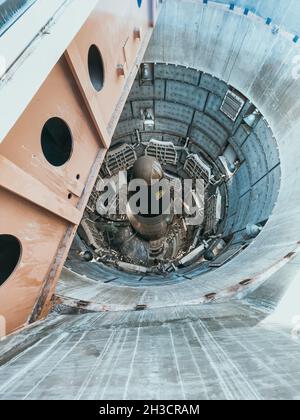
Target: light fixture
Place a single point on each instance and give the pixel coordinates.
(148, 117)
(146, 73)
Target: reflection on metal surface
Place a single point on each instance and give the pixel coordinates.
(195, 254)
(151, 226)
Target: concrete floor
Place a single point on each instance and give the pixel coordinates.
(197, 352)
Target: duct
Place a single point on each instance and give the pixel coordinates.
(149, 226)
(192, 256)
(132, 267)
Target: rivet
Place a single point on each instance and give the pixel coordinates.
(137, 33)
(120, 70)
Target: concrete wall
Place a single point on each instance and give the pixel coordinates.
(242, 51)
(187, 102)
(284, 13)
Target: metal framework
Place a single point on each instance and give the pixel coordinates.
(120, 159)
(196, 168)
(47, 75)
(164, 152)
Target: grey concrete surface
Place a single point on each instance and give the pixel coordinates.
(183, 353)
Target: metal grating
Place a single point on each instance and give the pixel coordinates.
(120, 159)
(226, 256)
(164, 152)
(232, 105)
(213, 213)
(196, 168)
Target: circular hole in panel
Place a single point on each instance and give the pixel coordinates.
(10, 254)
(56, 140)
(96, 68)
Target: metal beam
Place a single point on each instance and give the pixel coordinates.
(17, 181)
(78, 69)
(40, 55)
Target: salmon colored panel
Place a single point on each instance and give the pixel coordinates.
(120, 30)
(111, 28)
(58, 97)
(40, 234)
